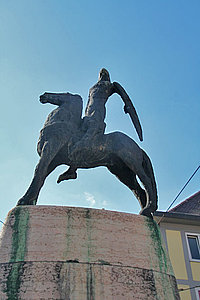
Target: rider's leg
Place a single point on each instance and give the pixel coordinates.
(69, 174)
(94, 129)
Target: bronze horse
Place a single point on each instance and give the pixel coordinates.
(116, 151)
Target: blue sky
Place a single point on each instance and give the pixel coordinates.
(150, 47)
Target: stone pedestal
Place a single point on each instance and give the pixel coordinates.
(53, 252)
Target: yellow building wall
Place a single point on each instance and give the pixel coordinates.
(195, 266)
(184, 295)
(176, 253)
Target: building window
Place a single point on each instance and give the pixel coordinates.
(197, 293)
(193, 245)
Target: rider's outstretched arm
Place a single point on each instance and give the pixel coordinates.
(129, 108)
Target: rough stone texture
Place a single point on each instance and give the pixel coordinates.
(49, 252)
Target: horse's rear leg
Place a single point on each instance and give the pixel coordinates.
(128, 177)
(42, 170)
(151, 195)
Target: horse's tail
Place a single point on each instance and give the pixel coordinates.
(148, 169)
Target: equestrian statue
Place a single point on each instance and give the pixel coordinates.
(77, 142)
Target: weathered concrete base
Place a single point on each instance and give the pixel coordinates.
(49, 252)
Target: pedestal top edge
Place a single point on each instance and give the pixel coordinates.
(75, 208)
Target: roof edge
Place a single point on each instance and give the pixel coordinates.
(175, 217)
(187, 199)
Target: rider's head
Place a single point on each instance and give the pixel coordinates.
(104, 75)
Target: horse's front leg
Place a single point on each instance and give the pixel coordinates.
(42, 170)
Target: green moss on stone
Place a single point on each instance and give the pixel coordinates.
(158, 246)
(68, 233)
(18, 251)
(89, 232)
(90, 283)
(14, 281)
(164, 263)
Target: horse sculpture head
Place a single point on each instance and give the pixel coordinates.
(47, 97)
(73, 103)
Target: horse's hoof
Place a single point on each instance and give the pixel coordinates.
(146, 212)
(67, 176)
(23, 201)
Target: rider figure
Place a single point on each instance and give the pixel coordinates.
(95, 113)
